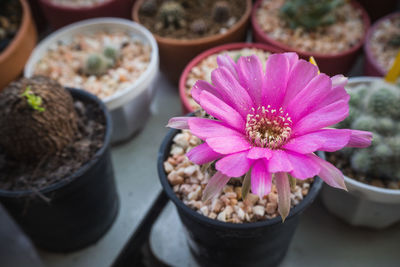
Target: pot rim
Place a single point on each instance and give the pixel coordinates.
(352, 182)
(26, 20)
(367, 45)
(121, 97)
(196, 60)
(298, 209)
(77, 8)
(76, 94)
(198, 41)
(256, 27)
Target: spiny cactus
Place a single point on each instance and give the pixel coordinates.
(378, 111)
(149, 7)
(309, 14)
(198, 26)
(172, 14)
(98, 64)
(221, 11)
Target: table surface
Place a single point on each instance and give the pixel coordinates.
(321, 239)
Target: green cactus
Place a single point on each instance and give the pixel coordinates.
(309, 14)
(198, 26)
(111, 53)
(172, 14)
(97, 64)
(376, 109)
(149, 7)
(221, 11)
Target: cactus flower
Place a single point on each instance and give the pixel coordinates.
(270, 124)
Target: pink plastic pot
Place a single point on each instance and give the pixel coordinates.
(186, 108)
(371, 65)
(59, 16)
(328, 63)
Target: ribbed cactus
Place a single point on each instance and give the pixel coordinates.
(377, 110)
(172, 14)
(309, 14)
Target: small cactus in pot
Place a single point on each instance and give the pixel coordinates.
(377, 111)
(100, 63)
(172, 14)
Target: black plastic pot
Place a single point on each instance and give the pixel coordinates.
(82, 207)
(216, 243)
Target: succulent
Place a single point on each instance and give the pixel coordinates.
(37, 118)
(309, 14)
(98, 64)
(198, 26)
(149, 7)
(377, 112)
(172, 14)
(221, 11)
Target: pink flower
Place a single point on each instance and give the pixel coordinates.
(270, 124)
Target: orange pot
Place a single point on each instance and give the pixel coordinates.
(13, 58)
(175, 54)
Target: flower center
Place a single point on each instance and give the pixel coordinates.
(267, 127)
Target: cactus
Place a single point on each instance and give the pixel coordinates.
(198, 26)
(380, 113)
(172, 14)
(221, 11)
(149, 7)
(309, 14)
(97, 64)
(111, 53)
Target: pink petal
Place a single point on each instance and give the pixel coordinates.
(226, 61)
(302, 73)
(251, 77)
(202, 154)
(325, 140)
(234, 165)
(206, 128)
(231, 91)
(321, 118)
(222, 111)
(329, 173)
(292, 58)
(359, 138)
(261, 180)
(215, 186)
(283, 188)
(201, 85)
(228, 144)
(312, 94)
(179, 123)
(276, 77)
(259, 153)
(339, 80)
(303, 166)
(279, 162)
(334, 95)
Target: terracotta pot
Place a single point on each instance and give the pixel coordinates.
(186, 108)
(372, 67)
(328, 63)
(13, 58)
(59, 16)
(175, 54)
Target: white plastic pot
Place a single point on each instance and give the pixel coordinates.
(130, 107)
(363, 204)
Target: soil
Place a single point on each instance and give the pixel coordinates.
(193, 12)
(10, 20)
(337, 159)
(17, 175)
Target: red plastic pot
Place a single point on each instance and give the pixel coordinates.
(186, 108)
(59, 16)
(371, 65)
(331, 64)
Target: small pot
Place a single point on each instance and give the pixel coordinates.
(330, 64)
(13, 58)
(59, 16)
(186, 107)
(82, 206)
(371, 65)
(216, 243)
(130, 107)
(363, 204)
(175, 54)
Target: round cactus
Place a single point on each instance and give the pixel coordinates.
(111, 53)
(221, 11)
(386, 126)
(172, 14)
(365, 123)
(383, 102)
(382, 153)
(361, 161)
(97, 64)
(198, 26)
(149, 7)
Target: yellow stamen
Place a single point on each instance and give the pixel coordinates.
(394, 72)
(312, 61)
